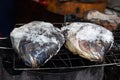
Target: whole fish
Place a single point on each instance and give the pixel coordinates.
(36, 42)
(110, 20)
(88, 40)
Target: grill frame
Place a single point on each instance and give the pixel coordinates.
(112, 58)
(65, 59)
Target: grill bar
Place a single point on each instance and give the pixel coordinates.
(66, 60)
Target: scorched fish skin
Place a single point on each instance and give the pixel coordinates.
(36, 42)
(88, 40)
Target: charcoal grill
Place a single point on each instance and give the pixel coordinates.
(64, 60)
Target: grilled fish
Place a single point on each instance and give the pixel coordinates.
(109, 21)
(36, 42)
(88, 40)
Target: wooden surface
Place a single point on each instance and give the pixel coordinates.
(76, 8)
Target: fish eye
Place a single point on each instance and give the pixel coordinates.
(99, 43)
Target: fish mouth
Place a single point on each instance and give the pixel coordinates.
(97, 57)
(91, 52)
(93, 56)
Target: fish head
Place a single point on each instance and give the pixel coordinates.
(95, 50)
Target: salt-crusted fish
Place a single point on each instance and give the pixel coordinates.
(108, 20)
(88, 40)
(36, 42)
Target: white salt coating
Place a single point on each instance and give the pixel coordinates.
(35, 32)
(89, 32)
(98, 15)
(110, 12)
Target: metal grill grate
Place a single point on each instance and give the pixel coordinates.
(66, 60)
